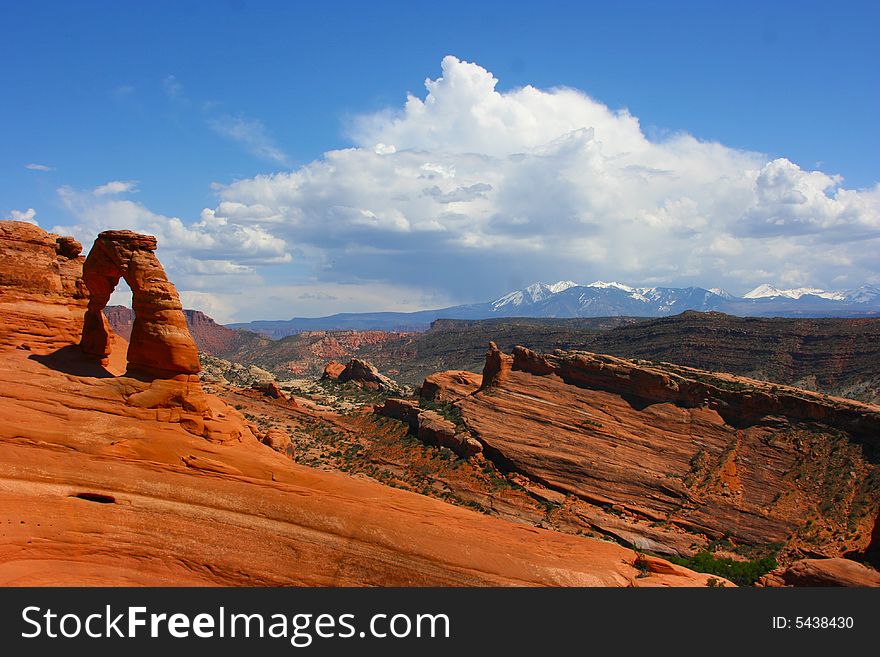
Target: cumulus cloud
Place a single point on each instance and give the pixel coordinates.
(28, 215)
(209, 254)
(251, 134)
(33, 166)
(470, 190)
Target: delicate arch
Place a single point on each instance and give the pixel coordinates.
(160, 344)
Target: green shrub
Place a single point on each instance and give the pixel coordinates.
(741, 573)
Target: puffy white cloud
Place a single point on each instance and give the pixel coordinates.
(211, 253)
(33, 166)
(471, 190)
(28, 215)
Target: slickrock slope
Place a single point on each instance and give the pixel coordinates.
(120, 480)
(672, 447)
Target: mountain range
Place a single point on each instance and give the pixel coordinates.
(600, 299)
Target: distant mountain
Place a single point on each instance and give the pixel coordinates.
(601, 299)
(767, 291)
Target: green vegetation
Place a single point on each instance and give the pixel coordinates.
(448, 411)
(741, 573)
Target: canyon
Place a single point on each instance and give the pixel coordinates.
(118, 469)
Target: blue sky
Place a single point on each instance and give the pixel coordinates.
(184, 106)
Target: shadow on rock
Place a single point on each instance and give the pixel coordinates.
(71, 360)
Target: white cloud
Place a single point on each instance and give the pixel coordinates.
(115, 187)
(28, 215)
(470, 190)
(33, 166)
(251, 134)
(201, 256)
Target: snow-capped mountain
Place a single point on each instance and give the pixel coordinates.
(767, 291)
(864, 294)
(604, 299)
(532, 294)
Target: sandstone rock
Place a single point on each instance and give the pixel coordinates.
(434, 429)
(706, 453)
(498, 365)
(430, 427)
(148, 481)
(333, 370)
(444, 387)
(367, 376)
(400, 409)
(160, 344)
(227, 510)
(823, 572)
(277, 439)
(270, 389)
(42, 295)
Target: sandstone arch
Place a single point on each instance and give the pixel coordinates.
(160, 345)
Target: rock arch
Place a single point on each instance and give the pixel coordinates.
(161, 345)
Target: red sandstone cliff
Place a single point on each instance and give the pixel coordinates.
(672, 449)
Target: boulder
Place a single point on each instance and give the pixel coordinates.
(367, 376)
(277, 439)
(332, 370)
(404, 410)
(269, 389)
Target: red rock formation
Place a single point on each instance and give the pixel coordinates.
(273, 390)
(42, 296)
(498, 365)
(367, 376)
(706, 453)
(228, 509)
(125, 481)
(823, 572)
(332, 370)
(160, 341)
(449, 386)
(404, 410)
(430, 427)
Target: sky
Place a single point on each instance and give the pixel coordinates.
(301, 159)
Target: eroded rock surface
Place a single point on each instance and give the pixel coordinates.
(823, 572)
(367, 376)
(42, 295)
(712, 454)
(160, 343)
